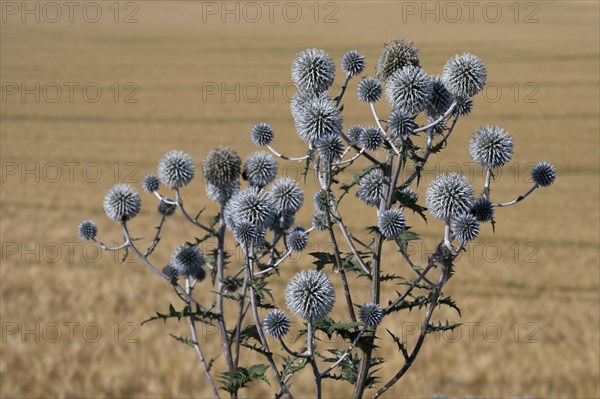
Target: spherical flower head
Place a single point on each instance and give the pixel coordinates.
(464, 75)
(286, 195)
(369, 90)
(122, 202)
(401, 123)
(482, 209)
(391, 223)
(262, 134)
(438, 128)
(186, 260)
(166, 208)
(276, 323)
(322, 200)
(319, 221)
(439, 99)
(151, 183)
(354, 133)
(221, 166)
(260, 169)
(251, 205)
(543, 174)
(408, 196)
(222, 193)
(371, 138)
(87, 230)
(318, 118)
(449, 195)
(297, 239)
(465, 227)
(370, 187)
(282, 222)
(396, 55)
(176, 169)
(170, 272)
(464, 106)
(313, 71)
(370, 314)
(330, 148)
(353, 63)
(408, 88)
(247, 233)
(491, 147)
(200, 274)
(310, 295)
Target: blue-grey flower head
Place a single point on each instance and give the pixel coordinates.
(300, 101)
(260, 169)
(281, 222)
(401, 123)
(396, 55)
(251, 205)
(221, 166)
(465, 227)
(354, 133)
(391, 223)
(262, 134)
(464, 106)
(166, 208)
(407, 196)
(408, 88)
(322, 200)
(482, 209)
(122, 202)
(318, 118)
(313, 71)
(286, 195)
(369, 90)
(151, 183)
(319, 221)
(176, 169)
(310, 295)
(371, 314)
(464, 75)
(170, 272)
(87, 230)
(370, 187)
(330, 148)
(297, 239)
(449, 195)
(276, 323)
(187, 259)
(222, 193)
(247, 233)
(543, 174)
(439, 99)
(371, 138)
(439, 127)
(353, 63)
(491, 147)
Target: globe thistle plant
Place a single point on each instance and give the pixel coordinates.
(313, 71)
(151, 183)
(464, 75)
(371, 138)
(251, 205)
(408, 88)
(282, 222)
(319, 221)
(310, 295)
(170, 272)
(330, 148)
(465, 227)
(491, 147)
(391, 223)
(321, 200)
(401, 123)
(449, 195)
(176, 169)
(438, 128)
(246, 233)
(221, 167)
(122, 202)
(369, 90)
(166, 208)
(260, 169)
(370, 187)
(543, 174)
(286, 196)
(221, 193)
(353, 63)
(464, 106)
(396, 55)
(371, 314)
(87, 230)
(262, 134)
(354, 133)
(187, 260)
(297, 239)
(318, 118)
(276, 323)
(439, 99)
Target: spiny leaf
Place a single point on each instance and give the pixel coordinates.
(184, 340)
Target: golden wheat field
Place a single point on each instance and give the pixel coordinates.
(95, 94)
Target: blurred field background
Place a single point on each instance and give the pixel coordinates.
(530, 292)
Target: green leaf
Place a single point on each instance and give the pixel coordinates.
(184, 340)
(432, 328)
(345, 188)
(449, 301)
(323, 259)
(232, 381)
(404, 238)
(331, 327)
(399, 343)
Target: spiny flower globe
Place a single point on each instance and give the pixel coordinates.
(408, 88)
(251, 205)
(260, 169)
(221, 166)
(176, 169)
(354, 133)
(439, 99)
(464, 106)
(482, 209)
(401, 123)
(313, 71)
(262, 134)
(319, 221)
(282, 222)
(122, 202)
(407, 196)
(371, 138)
(330, 148)
(222, 193)
(464, 75)
(170, 272)
(187, 260)
(310, 295)
(465, 227)
(396, 55)
(543, 174)
(247, 233)
(370, 314)
(151, 183)
(322, 200)
(491, 147)
(369, 90)
(353, 63)
(286, 195)
(297, 239)
(318, 118)
(439, 127)
(449, 195)
(391, 223)
(166, 208)
(276, 323)
(370, 187)
(87, 230)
